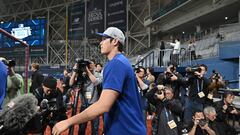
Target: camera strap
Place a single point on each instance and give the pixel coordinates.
(166, 113)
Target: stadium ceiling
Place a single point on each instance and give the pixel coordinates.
(9, 7)
(196, 12)
(212, 19)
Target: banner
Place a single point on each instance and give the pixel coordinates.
(116, 14)
(76, 15)
(95, 17)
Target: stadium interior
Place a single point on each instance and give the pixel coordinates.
(59, 31)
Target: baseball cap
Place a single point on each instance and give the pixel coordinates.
(115, 33)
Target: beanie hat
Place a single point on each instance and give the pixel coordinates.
(50, 82)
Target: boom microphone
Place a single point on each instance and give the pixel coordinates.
(17, 114)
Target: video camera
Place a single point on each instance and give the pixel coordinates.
(81, 68)
(81, 65)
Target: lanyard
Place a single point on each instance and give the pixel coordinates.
(166, 112)
(198, 86)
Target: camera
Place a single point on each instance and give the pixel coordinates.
(168, 75)
(81, 64)
(160, 90)
(172, 69)
(203, 122)
(9, 63)
(49, 106)
(215, 75)
(193, 69)
(230, 108)
(81, 69)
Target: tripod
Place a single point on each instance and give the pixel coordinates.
(77, 89)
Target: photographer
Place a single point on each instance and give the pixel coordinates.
(168, 110)
(143, 85)
(14, 82)
(199, 87)
(171, 77)
(85, 75)
(226, 106)
(199, 125)
(50, 100)
(226, 110)
(217, 82)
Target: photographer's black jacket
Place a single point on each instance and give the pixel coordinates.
(58, 115)
(197, 85)
(164, 79)
(174, 106)
(37, 79)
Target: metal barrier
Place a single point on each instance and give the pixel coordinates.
(162, 58)
(147, 61)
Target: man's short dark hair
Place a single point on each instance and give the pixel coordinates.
(99, 64)
(138, 69)
(203, 65)
(226, 93)
(120, 46)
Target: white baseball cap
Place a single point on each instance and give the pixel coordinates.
(113, 32)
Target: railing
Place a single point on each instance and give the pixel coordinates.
(162, 58)
(156, 58)
(147, 61)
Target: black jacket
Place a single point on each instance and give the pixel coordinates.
(174, 106)
(55, 106)
(37, 79)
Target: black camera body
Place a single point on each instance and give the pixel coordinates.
(49, 106)
(216, 76)
(160, 91)
(81, 64)
(203, 122)
(9, 63)
(230, 108)
(193, 69)
(168, 75)
(81, 69)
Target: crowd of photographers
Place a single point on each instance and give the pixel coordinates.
(175, 103)
(185, 105)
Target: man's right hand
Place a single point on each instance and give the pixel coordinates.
(196, 121)
(60, 127)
